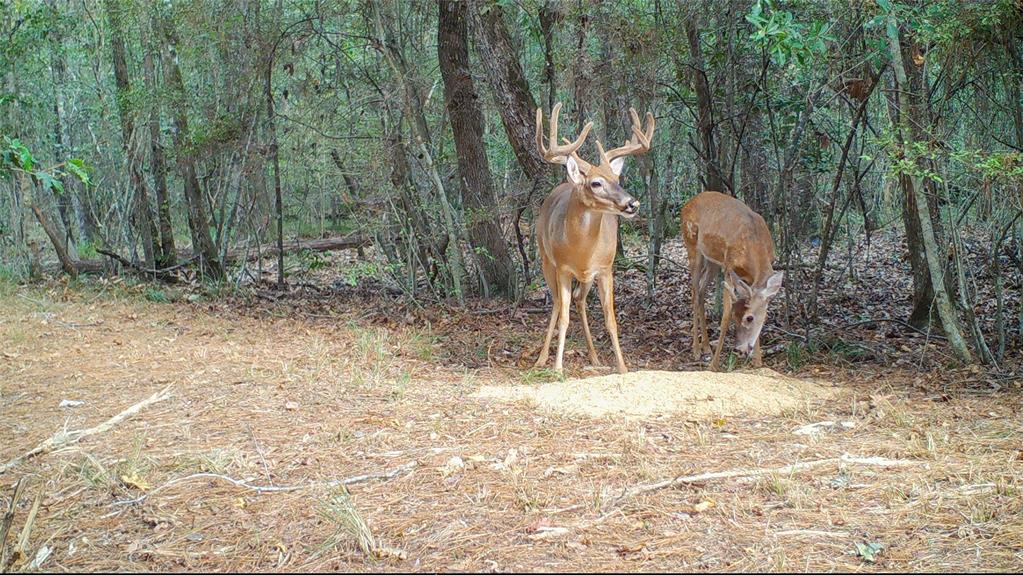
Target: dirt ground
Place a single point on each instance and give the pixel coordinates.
(273, 411)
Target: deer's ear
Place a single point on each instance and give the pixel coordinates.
(773, 284)
(738, 288)
(574, 174)
(617, 164)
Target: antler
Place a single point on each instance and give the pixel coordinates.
(559, 154)
(638, 144)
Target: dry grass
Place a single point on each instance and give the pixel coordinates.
(299, 402)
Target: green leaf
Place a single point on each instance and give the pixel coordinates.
(49, 182)
(885, 5)
(868, 551)
(25, 160)
(76, 167)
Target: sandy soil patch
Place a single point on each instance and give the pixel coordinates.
(699, 394)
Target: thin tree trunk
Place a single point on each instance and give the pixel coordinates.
(198, 222)
(66, 262)
(142, 211)
(508, 84)
(478, 199)
(60, 146)
(708, 155)
(829, 226)
(907, 136)
(548, 18)
(421, 135)
(168, 252)
(275, 158)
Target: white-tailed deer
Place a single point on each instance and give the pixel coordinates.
(577, 230)
(721, 232)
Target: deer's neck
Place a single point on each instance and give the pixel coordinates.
(584, 224)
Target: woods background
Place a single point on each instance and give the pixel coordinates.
(162, 138)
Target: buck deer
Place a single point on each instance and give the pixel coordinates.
(577, 230)
(722, 232)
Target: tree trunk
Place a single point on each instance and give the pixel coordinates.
(198, 222)
(274, 154)
(142, 211)
(548, 18)
(910, 115)
(60, 147)
(168, 252)
(508, 84)
(417, 120)
(705, 121)
(478, 199)
(66, 262)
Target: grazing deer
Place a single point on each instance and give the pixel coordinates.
(577, 231)
(722, 232)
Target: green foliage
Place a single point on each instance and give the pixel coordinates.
(311, 260)
(358, 270)
(538, 375)
(786, 40)
(156, 295)
(8, 280)
(16, 157)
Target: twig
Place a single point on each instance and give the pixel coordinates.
(259, 450)
(400, 470)
(747, 473)
(8, 520)
(21, 549)
(812, 533)
(62, 438)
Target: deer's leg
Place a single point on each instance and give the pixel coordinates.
(583, 290)
(551, 276)
(606, 291)
(709, 271)
(758, 358)
(564, 305)
(726, 317)
(699, 329)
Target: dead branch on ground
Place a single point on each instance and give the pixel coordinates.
(400, 470)
(750, 473)
(63, 438)
(8, 520)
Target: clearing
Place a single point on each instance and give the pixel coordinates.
(486, 468)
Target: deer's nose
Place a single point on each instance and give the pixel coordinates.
(632, 207)
(746, 348)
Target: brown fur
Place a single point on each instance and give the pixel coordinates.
(721, 231)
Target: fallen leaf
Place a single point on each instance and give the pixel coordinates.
(868, 551)
(454, 465)
(390, 553)
(627, 549)
(704, 505)
(567, 470)
(549, 533)
(135, 481)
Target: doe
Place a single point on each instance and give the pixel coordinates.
(721, 232)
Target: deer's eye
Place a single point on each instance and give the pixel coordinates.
(595, 184)
(748, 319)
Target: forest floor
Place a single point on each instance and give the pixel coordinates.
(273, 400)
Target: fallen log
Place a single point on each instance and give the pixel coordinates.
(236, 255)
